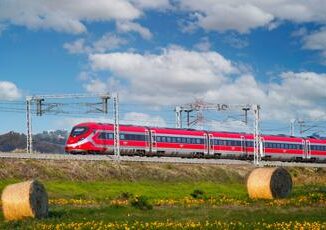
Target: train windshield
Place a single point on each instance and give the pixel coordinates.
(78, 131)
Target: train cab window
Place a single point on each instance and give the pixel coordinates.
(102, 136)
(76, 131)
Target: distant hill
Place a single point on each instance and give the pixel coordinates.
(46, 142)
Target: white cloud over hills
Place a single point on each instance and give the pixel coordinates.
(179, 76)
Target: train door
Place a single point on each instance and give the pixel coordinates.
(303, 145)
(147, 141)
(206, 148)
(153, 141)
(262, 147)
(308, 149)
(211, 144)
(243, 146)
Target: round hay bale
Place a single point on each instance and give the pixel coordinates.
(269, 183)
(26, 199)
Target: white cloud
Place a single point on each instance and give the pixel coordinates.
(69, 122)
(136, 118)
(227, 15)
(178, 76)
(9, 91)
(65, 15)
(108, 42)
(236, 41)
(316, 40)
(150, 4)
(127, 26)
(175, 72)
(203, 45)
(3, 27)
(96, 85)
(229, 125)
(105, 43)
(133, 118)
(243, 16)
(76, 47)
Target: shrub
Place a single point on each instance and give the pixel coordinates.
(141, 202)
(198, 194)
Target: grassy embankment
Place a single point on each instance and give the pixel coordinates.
(106, 195)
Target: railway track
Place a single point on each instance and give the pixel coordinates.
(39, 156)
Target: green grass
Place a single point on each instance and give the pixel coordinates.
(101, 190)
(60, 215)
(153, 190)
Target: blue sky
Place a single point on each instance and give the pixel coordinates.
(158, 54)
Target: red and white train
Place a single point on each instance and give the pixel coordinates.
(98, 138)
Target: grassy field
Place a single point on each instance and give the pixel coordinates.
(132, 197)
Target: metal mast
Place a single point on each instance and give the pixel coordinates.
(199, 106)
(258, 148)
(116, 126)
(29, 140)
(42, 108)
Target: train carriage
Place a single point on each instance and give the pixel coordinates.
(228, 144)
(178, 141)
(282, 146)
(315, 148)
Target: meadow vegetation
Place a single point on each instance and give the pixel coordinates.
(105, 195)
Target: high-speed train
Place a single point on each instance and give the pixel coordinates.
(98, 138)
